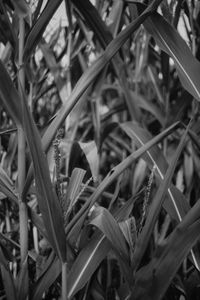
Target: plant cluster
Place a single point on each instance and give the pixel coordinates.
(99, 150)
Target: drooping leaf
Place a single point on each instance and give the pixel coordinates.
(47, 199)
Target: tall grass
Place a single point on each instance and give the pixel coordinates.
(99, 150)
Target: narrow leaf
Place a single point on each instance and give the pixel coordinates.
(47, 199)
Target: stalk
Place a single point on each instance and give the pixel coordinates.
(64, 281)
(23, 212)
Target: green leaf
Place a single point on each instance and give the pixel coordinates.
(156, 205)
(47, 199)
(170, 41)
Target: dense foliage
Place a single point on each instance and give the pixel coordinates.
(99, 150)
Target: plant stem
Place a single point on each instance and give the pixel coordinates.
(23, 213)
(64, 281)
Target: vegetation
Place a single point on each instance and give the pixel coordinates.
(99, 152)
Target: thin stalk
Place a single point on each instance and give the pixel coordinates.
(64, 281)
(23, 213)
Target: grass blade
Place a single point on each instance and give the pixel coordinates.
(47, 199)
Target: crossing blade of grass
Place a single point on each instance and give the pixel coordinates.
(156, 205)
(75, 224)
(92, 255)
(7, 278)
(47, 199)
(168, 39)
(153, 280)
(9, 96)
(179, 206)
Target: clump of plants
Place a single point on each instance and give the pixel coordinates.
(99, 150)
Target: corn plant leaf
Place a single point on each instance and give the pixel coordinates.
(153, 280)
(92, 255)
(47, 199)
(9, 96)
(39, 27)
(156, 205)
(7, 278)
(169, 40)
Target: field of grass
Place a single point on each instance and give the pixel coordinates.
(99, 150)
